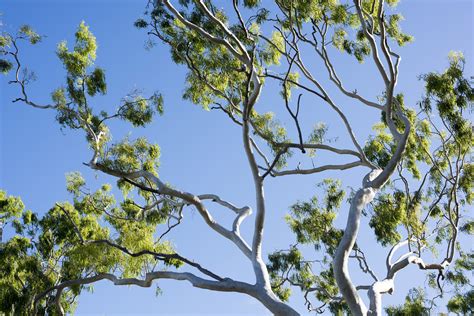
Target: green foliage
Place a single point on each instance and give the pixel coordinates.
(394, 31)
(214, 71)
(270, 129)
(73, 110)
(83, 55)
(389, 213)
(21, 272)
(83, 81)
(27, 32)
(74, 182)
(280, 262)
(462, 304)
(288, 267)
(5, 66)
(271, 53)
(59, 97)
(312, 221)
(272, 132)
(140, 111)
(468, 227)
(381, 147)
(452, 94)
(397, 207)
(72, 241)
(399, 211)
(133, 156)
(359, 48)
(140, 23)
(414, 305)
(466, 182)
(10, 206)
(95, 82)
(251, 3)
(290, 83)
(317, 136)
(5, 41)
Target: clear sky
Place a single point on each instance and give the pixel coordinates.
(201, 151)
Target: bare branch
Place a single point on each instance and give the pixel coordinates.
(226, 285)
(23, 81)
(317, 169)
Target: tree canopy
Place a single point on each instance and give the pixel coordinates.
(416, 196)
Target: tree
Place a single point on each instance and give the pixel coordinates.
(415, 195)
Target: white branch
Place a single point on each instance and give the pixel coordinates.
(317, 169)
(188, 197)
(227, 285)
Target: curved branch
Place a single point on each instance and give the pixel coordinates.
(242, 212)
(322, 147)
(23, 82)
(186, 196)
(317, 169)
(226, 285)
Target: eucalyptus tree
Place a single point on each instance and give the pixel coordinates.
(416, 193)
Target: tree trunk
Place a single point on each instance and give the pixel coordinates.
(341, 259)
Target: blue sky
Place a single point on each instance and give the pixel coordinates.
(201, 151)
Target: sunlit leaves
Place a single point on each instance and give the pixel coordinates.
(389, 212)
(156, 101)
(463, 300)
(58, 96)
(317, 136)
(452, 95)
(466, 182)
(19, 268)
(5, 40)
(339, 14)
(380, 147)
(5, 64)
(27, 32)
(10, 206)
(359, 48)
(462, 303)
(84, 52)
(271, 54)
(215, 75)
(73, 110)
(312, 221)
(272, 132)
(414, 305)
(279, 263)
(72, 241)
(139, 111)
(290, 82)
(394, 31)
(130, 156)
